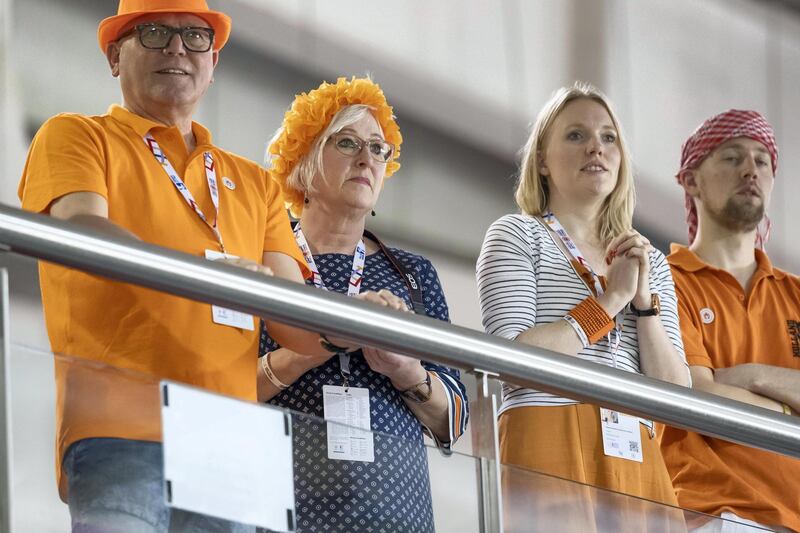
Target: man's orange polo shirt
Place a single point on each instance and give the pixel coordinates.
(155, 335)
(724, 327)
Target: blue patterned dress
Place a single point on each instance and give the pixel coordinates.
(391, 494)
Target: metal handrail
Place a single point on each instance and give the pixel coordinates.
(422, 337)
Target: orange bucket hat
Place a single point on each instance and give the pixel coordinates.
(109, 29)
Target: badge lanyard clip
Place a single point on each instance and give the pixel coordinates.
(344, 369)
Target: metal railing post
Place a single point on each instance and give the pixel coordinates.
(483, 419)
(6, 450)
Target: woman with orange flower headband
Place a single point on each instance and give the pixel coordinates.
(330, 157)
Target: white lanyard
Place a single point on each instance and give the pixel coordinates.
(353, 288)
(559, 230)
(211, 177)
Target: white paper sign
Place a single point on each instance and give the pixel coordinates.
(227, 458)
(348, 427)
(223, 315)
(621, 435)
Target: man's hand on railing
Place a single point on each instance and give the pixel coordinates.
(246, 264)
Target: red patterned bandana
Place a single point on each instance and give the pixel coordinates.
(714, 132)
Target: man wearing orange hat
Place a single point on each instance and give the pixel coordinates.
(145, 170)
(739, 319)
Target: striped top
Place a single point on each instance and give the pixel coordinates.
(526, 280)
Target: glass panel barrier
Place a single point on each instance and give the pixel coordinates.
(389, 492)
(407, 487)
(536, 502)
(35, 504)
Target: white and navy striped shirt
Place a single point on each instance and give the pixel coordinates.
(526, 280)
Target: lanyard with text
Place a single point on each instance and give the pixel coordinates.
(409, 277)
(211, 178)
(614, 336)
(353, 288)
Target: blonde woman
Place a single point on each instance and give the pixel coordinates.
(570, 274)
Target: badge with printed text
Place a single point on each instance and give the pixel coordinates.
(621, 435)
(223, 315)
(348, 423)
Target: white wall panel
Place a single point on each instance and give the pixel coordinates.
(783, 246)
(12, 143)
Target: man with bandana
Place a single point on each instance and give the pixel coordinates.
(740, 321)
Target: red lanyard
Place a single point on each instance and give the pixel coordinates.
(211, 178)
(559, 230)
(353, 288)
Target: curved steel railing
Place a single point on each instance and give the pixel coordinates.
(194, 277)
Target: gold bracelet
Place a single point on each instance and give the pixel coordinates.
(267, 368)
(786, 409)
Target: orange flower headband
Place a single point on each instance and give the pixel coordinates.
(311, 113)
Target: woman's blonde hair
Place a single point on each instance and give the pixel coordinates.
(532, 193)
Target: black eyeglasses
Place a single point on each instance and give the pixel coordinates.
(158, 36)
(351, 145)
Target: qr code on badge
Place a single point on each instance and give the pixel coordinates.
(634, 446)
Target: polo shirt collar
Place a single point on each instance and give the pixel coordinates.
(142, 125)
(765, 266)
(681, 257)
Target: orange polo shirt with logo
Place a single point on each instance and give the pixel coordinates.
(724, 327)
(114, 341)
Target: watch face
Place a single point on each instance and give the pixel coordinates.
(655, 303)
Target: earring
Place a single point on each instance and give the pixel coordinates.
(305, 200)
(373, 212)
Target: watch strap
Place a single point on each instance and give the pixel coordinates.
(329, 346)
(654, 310)
(421, 392)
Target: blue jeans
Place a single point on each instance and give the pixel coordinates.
(117, 486)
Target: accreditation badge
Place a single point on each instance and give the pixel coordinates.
(348, 423)
(225, 316)
(621, 435)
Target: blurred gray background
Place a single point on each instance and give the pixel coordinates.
(466, 78)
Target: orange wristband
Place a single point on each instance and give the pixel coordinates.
(593, 319)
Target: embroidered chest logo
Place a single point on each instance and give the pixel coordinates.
(793, 327)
